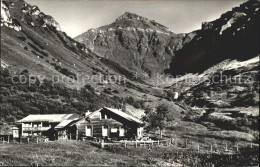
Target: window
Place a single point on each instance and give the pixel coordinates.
(108, 117)
(25, 134)
(104, 116)
(45, 124)
(113, 130)
(88, 130)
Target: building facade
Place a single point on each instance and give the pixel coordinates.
(109, 123)
(54, 126)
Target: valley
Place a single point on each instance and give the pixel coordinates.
(137, 63)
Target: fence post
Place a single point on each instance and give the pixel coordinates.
(226, 148)
(28, 140)
(211, 149)
(37, 140)
(102, 143)
(8, 138)
(125, 143)
(237, 147)
(186, 143)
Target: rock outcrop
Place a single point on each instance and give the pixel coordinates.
(6, 19)
(34, 17)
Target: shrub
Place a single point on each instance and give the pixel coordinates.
(137, 105)
(22, 38)
(55, 97)
(108, 91)
(90, 88)
(115, 91)
(10, 118)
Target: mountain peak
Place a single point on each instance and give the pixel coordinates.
(131, 16)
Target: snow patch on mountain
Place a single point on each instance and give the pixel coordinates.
(236, 16)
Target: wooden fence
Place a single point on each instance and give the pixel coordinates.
(26, 140)
(148, 143)
(179, 144)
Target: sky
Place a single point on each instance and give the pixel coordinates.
(181, 16)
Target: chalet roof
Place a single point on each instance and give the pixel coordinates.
(48, 118)
(120, 113)
(115, 111)
(65, 123)
(84, 119)
(124, 115)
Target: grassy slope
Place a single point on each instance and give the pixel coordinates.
(65, 153)
(78, 153)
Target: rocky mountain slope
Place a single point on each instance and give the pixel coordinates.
(135, 42)
(220, 71)
(224, 92)
(34, 41)
(235, 35)
(38, 44)
(224, 97)
(6, 18)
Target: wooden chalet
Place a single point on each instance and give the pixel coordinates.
(108, 123)
(54, 126)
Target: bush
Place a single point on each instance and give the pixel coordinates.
(108, 91)
(55, 97)
(115, 91)
(22, 38)
(137, 105)
(10, 118)
(90, 88)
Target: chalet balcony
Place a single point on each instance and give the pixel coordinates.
(35, 128)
